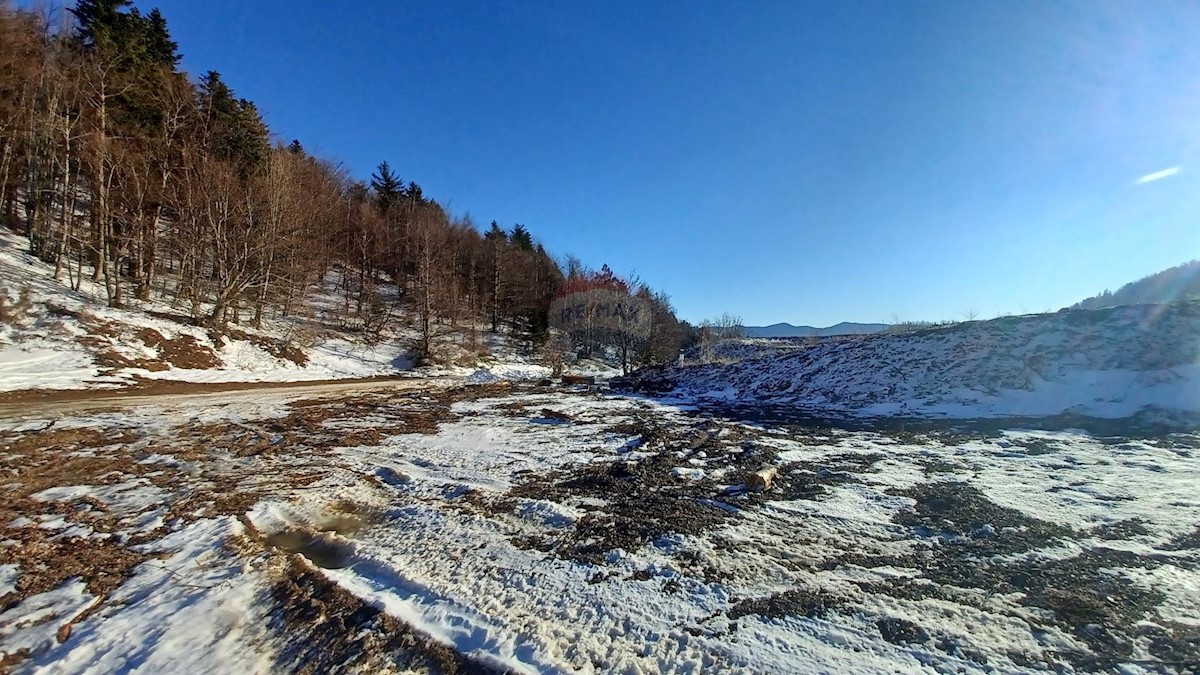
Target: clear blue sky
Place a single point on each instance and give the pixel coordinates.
(809, 162)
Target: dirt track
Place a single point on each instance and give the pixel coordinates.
(44, 403)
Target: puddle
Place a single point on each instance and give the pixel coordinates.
(342, 523)
(319, 548)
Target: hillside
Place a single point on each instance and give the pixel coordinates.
(1177, 283)
(1104, 363)
(53, 337)
(777, 330)
(174, 199)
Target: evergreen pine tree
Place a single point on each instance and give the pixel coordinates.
(414, 194)
(161, 50)
(495, 234)
(237, 132)
(102, 24)
(521, 238)
(388, 188)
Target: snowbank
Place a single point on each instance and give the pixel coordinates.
(1108, 363)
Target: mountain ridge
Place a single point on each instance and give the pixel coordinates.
(788, 330)
(1174, 283)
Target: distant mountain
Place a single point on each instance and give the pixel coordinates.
(788, 330)
(1176, 283)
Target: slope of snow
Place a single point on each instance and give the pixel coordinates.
(70, 339)
(1103, 363)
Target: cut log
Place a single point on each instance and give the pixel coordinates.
(578, 379)
(760, 481)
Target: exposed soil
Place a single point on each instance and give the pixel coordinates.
(1122, 529)
(964, 542)
(797, 602)
(644, 498)
(901, 631)
(184, 351)
(51, 401)
(976, 544)
(333, 631)
(38, 459)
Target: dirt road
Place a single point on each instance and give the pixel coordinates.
(55, 403)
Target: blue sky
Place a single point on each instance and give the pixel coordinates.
(810, 162)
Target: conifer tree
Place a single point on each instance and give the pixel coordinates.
(521, 238)
(236, 131)
(161, 50)
(414, 194)
(388, 188)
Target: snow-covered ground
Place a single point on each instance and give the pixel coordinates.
(548, 530)
(65, 339)
(1110, 363)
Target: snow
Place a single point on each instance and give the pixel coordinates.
(152, 624)
(1111, 363)
(427, 554)
(457, 533)
(688, 472)
(531, 613)
(32, 625)
(8, 578)
(40, 365)
(134, 495)
(70, 338)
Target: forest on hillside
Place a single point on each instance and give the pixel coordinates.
(159, 186)
(1175, 283)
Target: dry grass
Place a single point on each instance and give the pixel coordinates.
(184, 351)
(15, 311)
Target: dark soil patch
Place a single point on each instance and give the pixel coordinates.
(1184, 542)
(331, 630)
(644, 499)
(1174, 643)
(941, 466)
(109, 360)
(959, 509)
(64, 440)
(101, 564)
(187, 352)
(180, 352)
(811, 603)
(1037, 446)
(971, 542)
(1122, 529)
(1176, 442)
(901, 631)
(813, 479)
(638, 512)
